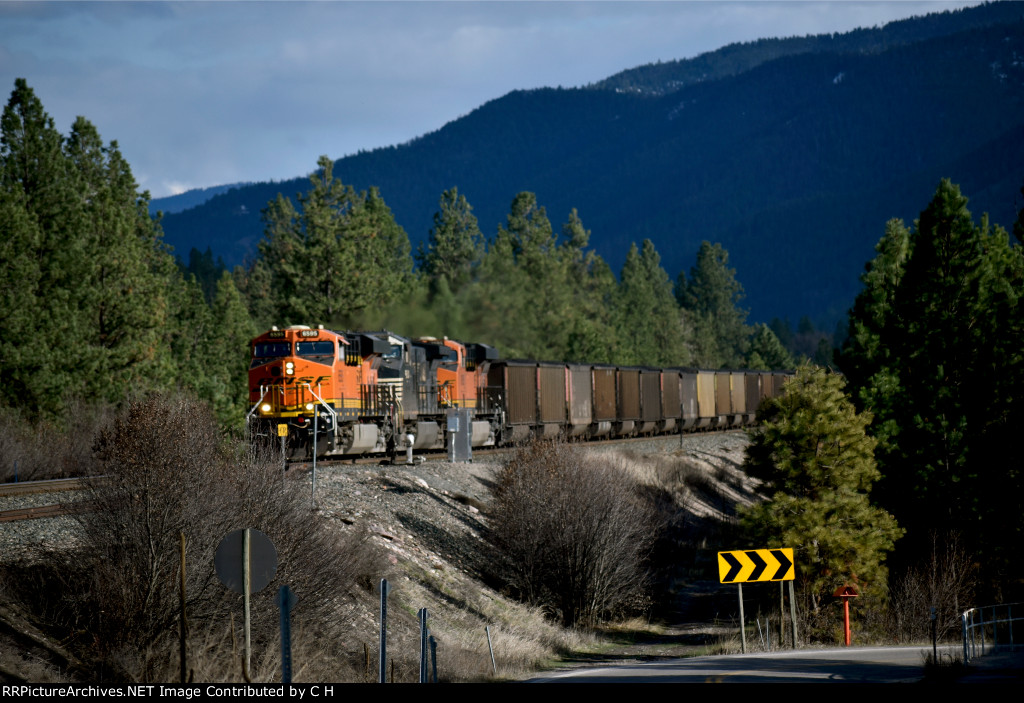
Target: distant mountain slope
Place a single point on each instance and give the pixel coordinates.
(794, 164)
(668, 76)
(190, 198)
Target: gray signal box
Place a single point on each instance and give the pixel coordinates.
(460, 435)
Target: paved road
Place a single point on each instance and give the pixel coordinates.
(853, 664)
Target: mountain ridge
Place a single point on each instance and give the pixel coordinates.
(792, 164)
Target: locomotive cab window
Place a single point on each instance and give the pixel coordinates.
(449, 357)
(317, 352)
(268, 351)
(391, 363)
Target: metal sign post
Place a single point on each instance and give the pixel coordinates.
(792, 612)
(316, 422)
(282, 432)
(935, 640)
(246, 591)
(285, 602)
(846, 593)
(246, 561)
(184, 620)
(782, 614)
(423, 644)
(385, 588)
(743, 623)
(490, 648)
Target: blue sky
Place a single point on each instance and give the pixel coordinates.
(206, 93)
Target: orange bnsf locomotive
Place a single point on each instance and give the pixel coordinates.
(362, 392)
(376, 392)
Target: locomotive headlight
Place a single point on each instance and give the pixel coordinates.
(309, 406)
(289, 367)
(265, 407)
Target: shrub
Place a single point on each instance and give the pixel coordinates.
(944, 580)
(33, 449)
(166, 471)
(571, 533)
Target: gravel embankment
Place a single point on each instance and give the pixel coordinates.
(18, 536)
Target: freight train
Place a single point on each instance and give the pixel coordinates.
(351, 393)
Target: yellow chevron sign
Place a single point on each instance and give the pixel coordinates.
(749, 565)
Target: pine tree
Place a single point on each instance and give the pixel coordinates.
(119, 281)
(20, 362)
(651, 329)
(869, 364)
(337, 255)
(97, 281)
(33, 163)
(942, 338)
(591, 325)
(206, 269)
(935, 351)
(767, 352)
(383, 272)
(454, 245)
(228, 353)
(711, 296)
(524, 297)
(284, 294)
(39, 206)
(817, 466)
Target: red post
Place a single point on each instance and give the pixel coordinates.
(846, 593)
(846, 620)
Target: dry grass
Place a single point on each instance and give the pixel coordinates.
(460, 609)
(707, 487)
(948, 668)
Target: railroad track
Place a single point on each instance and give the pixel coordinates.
(23, 488)
(48, 486)
(41, 512)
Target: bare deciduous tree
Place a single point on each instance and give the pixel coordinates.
(571, 532)
(166, 471)
(944, 580)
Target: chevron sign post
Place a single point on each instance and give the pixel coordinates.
(750, 565)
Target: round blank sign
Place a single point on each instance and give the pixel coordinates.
(229, 561)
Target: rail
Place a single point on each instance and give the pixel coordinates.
(45, 486)
(990, 628)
